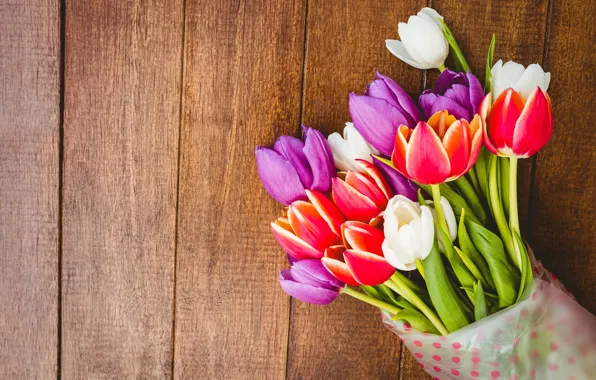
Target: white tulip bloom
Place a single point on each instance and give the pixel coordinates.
(350, 147)
(514, 75)
(449, 217)
(409, 233)
(422, 44)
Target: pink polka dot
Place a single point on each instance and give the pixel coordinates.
(418, 355)
(524, 313)
(476, 350)
(436, 369)
(402, 339)
(421, 365)
(425, 334)
(571, 360)
(515, 341)
(495, 374)
(534, 335)
(571, 378)
(554, 347)
(476, 360)
(436, 378)
(442, 338)
(551, 326)
(456, 345)
(533, 372)
(496, 347)
(534, 296)
(418, 343)
(513, 377)
(455, 372)
(534, 354)
(437, 358)
(552, 367)
(495, 364)
(514, 359)
(474, 373)
(455, 359)
(437, 345)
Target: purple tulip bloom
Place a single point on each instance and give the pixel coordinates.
(380, 111)
(293, 166)
(309, 281)
(398, 182)
(458, 93)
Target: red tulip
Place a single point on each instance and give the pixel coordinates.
(309, 228)
(517, 127)
(360, 260)
(442, 149)
(362, 195)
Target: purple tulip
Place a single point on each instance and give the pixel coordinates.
(398, 182)
(293, 166)
(458, 93)
(309, 281)
(380, 111)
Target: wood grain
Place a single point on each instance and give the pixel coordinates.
(242, 88)
(563, 229)
(122, 102)
(345, 46)
(29, 188)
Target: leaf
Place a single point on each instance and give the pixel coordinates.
(457, 202)
(504, 182)
(481, 169)
(480, 309)
(526, 271)
(444, 297)
(417, 320)
(471, 198)
(460, 60)
(489, 65)
(470, 251)
(506, 278)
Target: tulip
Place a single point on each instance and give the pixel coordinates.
(309, 281)
(409, 233)
(514, 75)
(380, 111)
(309, 228)
(442, 149)
(458, 93)
(350, 147)
(360, 260)
(399, 183)
(363, 195)
(516, 126)
(293, 166)
(422, 44)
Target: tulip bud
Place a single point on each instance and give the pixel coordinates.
(514, 75)
(309, 281)
(350, 147)
(422, 44)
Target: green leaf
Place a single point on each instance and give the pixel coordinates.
(444, 297)
(480, 309)
(417, 320)
(526, 269)
(457, 202)
(462, 273)
(421, 199)
(387, 294)
(469, 250)
(505, 276)
(481, 169)
(460, 60)
(504, 182)
(489, 65)
(471, 198)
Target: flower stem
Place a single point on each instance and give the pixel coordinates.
(397, 285)
(420, 268)
(439, 208)
(441, 67)
(513, 213)
(370, 300)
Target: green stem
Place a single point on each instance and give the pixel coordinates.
(498, 213)
(370, 300)
(513, 213)
(439, 208)
(402, 289)
(420, 268)
(441, 67)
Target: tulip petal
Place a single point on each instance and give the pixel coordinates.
(367, 187)
(327, 210)
(312, 272)
(398, 157)
(363, 237)
(397, 181)
(450, 218)
(293, 245)
(352, 204)
(291, 148)
(457, 145)
(426, 159)
(534, 126)
(386, 88)
(368, 268)
(476, 128)
(398, 49)
(502, 119)
(311, 227)
(377, 177)
(334, 263)
(376, 120)
(476, 92)
(320, 158)
(279, 177)
(427, 231)
(532, 77)
(505, 76)
(308, 293)
(453, 106)
(399, 258)
(484, 111)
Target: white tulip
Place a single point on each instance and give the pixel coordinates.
(514, 75)
(350, 147)
(449, 217)
(409, 233)
(422, 44)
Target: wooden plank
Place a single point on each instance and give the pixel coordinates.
(563, 225)
(345, 45)
(122, 104)
(242, 88)
(29, 188)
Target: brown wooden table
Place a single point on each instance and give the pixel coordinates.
(134, 235)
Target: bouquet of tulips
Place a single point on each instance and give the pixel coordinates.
(414, 211)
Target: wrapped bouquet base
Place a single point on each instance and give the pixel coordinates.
(547, 335)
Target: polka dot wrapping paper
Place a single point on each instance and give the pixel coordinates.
(547, 335)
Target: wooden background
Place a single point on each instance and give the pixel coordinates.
(134, 232)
